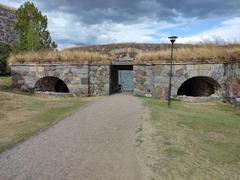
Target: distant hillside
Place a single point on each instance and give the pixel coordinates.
(141, 46)
(123, 50)
(109, 47)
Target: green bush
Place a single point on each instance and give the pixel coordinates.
(5, 50)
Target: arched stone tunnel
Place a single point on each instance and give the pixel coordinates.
(51, 84)
(199, 86)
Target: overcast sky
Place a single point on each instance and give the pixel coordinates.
(85, 22)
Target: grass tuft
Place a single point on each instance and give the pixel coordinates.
(173, 151)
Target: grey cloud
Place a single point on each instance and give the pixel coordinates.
(128, 11)
(92, 21)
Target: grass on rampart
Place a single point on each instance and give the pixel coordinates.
(199, 54)
(65, 56)
(22, 114)
(194, 140)
(211, 53)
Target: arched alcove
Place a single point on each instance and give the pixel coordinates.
(51, 84)
(199, 86)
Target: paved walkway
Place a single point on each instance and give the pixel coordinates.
(97, 142)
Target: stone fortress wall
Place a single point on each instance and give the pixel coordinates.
(7, 18)
(232, 82)
(148, 79)
(153, 79)
(81, 79)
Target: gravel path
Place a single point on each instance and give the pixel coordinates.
(97, 142)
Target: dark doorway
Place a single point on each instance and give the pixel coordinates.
(125, 80)
(199, 86)
(121, 78)
(51, 84)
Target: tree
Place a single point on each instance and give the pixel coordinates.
(32, 37)
(31, 27)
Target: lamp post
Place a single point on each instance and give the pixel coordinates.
(172, 40)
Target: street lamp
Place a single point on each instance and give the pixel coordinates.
(172, 40)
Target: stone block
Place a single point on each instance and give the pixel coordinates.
(179, 72)
(139, 72)
(84, 81)
(20, 81)
(158, 92)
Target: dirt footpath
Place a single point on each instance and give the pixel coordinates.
(97, 142)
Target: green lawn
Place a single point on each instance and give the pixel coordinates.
(5, 83)
(193, 140)
(24, 114)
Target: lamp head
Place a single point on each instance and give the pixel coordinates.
(172, 38)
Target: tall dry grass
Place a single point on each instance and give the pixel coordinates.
(66, 56)
(192, 53)
(199, 53)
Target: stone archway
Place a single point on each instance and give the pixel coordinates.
(199, 86)
(51, 84)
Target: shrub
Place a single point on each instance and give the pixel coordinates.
(5, 50)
